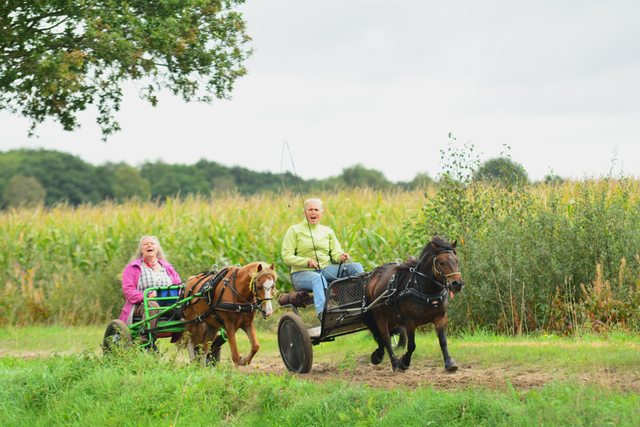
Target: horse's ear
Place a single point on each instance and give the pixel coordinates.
(272, 266)
(455, 243)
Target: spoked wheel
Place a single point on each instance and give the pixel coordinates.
(295, 344)
(116, 336)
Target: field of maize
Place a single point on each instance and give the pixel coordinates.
(560, 256)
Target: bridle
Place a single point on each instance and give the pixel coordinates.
(437, 270)
(253, 287)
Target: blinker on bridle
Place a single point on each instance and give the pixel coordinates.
(252, 286)
(437, 270)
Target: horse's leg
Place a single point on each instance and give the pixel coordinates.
(255, 346)
(208, 342)
(385, 341)
(405, 359)
(191, 332)
(231, 329)
(441, 330)
(372, 323)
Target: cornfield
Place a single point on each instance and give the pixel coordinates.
(64, 264)
(559, 256)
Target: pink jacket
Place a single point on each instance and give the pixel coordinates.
(130, 277)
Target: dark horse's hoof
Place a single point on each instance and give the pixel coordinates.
(375, 359)
(451, 365)
(402, 364)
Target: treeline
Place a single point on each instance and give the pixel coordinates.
(29, 177)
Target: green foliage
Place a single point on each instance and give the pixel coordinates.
(501, 169)
(58, 57)
(359, 176)
(129, 183)
(526, 249)
(23, 191)
(67, 178)
(169, 180)
(63, 176)
(421, 181)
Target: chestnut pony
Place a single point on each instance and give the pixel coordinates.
(410, 294)
(227, 299)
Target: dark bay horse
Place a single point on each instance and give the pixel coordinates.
(230, 299)
(411, 294)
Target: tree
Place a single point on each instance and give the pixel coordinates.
(169, 180)
(501, 169)
(421, 180)
(58, 57)
(23, 190)
(63, 176)
(129, 183)
(359, 176)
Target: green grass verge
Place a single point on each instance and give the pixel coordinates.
(137, 389)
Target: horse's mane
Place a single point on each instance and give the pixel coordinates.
(436, 244)
(266, 271)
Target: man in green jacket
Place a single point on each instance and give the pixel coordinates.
(314, 253)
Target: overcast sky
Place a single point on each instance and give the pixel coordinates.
(383, 83)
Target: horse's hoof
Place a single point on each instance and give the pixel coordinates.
(451, 365)
(375, 359)
(243, 361)
(402, 365)
(394, 364)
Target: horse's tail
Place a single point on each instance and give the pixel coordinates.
(370, 322)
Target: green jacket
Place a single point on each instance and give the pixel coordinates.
(297, 246)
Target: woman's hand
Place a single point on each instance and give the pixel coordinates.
(312, 263)
(344, 257)
(151, 294)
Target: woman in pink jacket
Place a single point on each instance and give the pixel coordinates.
(147, 268)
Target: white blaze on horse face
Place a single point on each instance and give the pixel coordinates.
(269, 287)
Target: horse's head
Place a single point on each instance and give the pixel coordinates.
(263, 286)
(445, 264)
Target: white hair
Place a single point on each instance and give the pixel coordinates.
(318, 201)
(138, 253)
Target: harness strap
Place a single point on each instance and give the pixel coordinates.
(208, 291)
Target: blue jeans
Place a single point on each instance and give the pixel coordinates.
(317, 282)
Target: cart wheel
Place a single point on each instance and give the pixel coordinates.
(399, 340)
(295, 344)
(116, 336)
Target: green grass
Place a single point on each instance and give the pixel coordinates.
(136, 389)
(61, 383)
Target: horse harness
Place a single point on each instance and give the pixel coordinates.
(207, 292)
(411, 292)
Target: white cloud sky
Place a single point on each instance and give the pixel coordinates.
(383, 83)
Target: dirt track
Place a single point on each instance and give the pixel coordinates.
(423, 375)
(424, 372)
